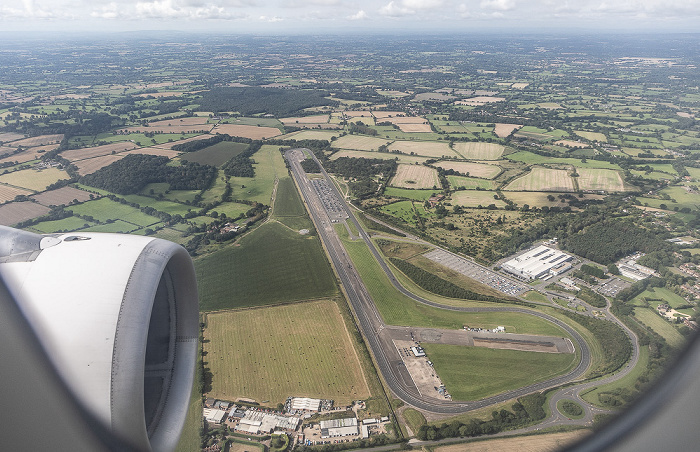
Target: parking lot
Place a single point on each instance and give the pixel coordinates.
(477, 272)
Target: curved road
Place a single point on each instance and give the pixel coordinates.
(371, 322)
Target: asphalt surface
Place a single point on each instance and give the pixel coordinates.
(369, 319)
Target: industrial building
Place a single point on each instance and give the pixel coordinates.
(214, 415)
(539, 262)
(631, 269)
(305, 404)
(257, 422)
(339, 427)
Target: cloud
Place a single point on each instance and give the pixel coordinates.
(498, 5)
(360, 15)
(391, 9)
(29, 10)
(272, 19)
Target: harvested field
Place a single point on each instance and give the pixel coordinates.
(31, 179)
(479, 151)
(402, 158)
(153, 151)
(196, 128)
(539, 199)
(406, 120)
(22, 157)
(313, 135)
(89, 166)
(10, 136)
(470, 183)
(387, 114)
(519, 85)
(543, 179)
(432, 97)
(503, 130)
(600, 179)
(38, 141)
(361, 113)
(475, 198)
(252, 132)
(98, 151)
(479, 100)
(359, 143)
(315, 119)
(415, 127)
(571, 144)
(424, 148)
(9, 193)
(415, 176)
(592, 136)
(301, 349)
(187, 140)
(16, 212)
(549, 442)
(482, 170)
(190, 121)
(62, 196)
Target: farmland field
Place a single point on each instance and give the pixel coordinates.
(400, 158)
(288, 203)
(252, 132)
(415, 176)
(469, 183)
(302, 349)
(31, 179)
(97, 151)
(116, 226)
(547, 442)
(61, 196)
(402, 209)
(479, 151)
(169, 145)
(215, 155)
(153, 151)
(22, 157)
(105, 209)
(468, 372)
(269, 165)
(89, 166)
(272, 265)
(313, 135)
(359, 143)
(543, 179)
(173, 208)
(592, 136)
(418, 195)
(9, 193)
(474, 198)
(65, 224)
(424, 148)
(38, 141)
(20, 211)
(472, 169)
(315, 119)
(650, 318)
(599, 179)
(538, 199)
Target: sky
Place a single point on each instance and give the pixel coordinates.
(350, 16)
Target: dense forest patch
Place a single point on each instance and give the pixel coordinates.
(254, 100)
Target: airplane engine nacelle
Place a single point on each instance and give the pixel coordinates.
(118, 316)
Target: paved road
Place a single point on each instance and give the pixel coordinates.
(371, 323)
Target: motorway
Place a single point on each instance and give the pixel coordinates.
(328, 207)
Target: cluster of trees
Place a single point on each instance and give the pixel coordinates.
(593, 271)
(610, 240)
(616, 345)
(310, 166)
(372, 441)
(362, 173)
(437, 285)
(525, 411)
(242, 164)
(132, 173)
(358, 127)
(254, 100)
(592, 298)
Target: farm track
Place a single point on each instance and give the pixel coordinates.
(372, 325)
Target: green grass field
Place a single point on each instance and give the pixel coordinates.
(397, 309)
(470, 183)
(536, 296)
(217, 154)
(105, 209)
(302, 349)
(65, 224)
(628, 381)
(475, 198)
(416, 195)
(402, 209)
(468, 372)
(654, 321)
(173, 208)
(288, 208)
(269, 165)
(116, 226)
(531, 158)
(658, 295)
(272, 265)
(231, 209)
(414, 419)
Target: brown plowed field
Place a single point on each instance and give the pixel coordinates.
(62, 196)
(9, 193)
(98, 151)
(154, 151)
(15, 212)
(38, 141)
(89, 166)
(252, 132)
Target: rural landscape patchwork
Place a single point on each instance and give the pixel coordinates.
(397, 240)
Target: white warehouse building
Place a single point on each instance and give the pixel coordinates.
(539, 262)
